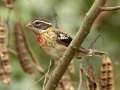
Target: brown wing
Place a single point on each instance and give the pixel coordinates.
(63, 38)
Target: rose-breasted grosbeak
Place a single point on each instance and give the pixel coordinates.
(53, 42)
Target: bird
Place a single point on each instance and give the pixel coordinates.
(53, 41)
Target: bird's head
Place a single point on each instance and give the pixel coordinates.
(38, 26)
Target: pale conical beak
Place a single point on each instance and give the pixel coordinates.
(28, 25)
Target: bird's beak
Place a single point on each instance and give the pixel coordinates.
(28, 25)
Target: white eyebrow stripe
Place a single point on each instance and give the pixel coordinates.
(42, 22)
(46, 22)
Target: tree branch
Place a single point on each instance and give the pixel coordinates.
(105, 8)
(76, 43)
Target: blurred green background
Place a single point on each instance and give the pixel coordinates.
(66, 14)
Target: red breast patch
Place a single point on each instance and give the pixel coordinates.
(41, 40)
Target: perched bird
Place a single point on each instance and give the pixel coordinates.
(54, 42)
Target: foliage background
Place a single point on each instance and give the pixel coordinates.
(68, 14)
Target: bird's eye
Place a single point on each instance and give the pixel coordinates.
(37, 23)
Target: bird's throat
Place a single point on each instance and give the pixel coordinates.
(41, 40)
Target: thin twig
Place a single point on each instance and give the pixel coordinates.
(105, 8)
(80, 78)
(47, 73)
(94, 41)
(9, 31)
(77, 41)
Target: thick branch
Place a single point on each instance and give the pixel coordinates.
(76, 43)
(105, 8)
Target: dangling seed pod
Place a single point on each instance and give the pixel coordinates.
(106, 77)
(92, 84)
(5, 67)
(9, 3)
(21, 47)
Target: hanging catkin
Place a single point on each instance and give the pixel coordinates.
(9, 3)
(91, 79)
(5, 67)
(21, 47)
(106, 77)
